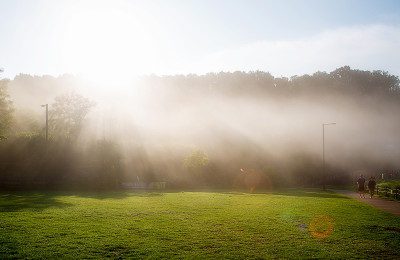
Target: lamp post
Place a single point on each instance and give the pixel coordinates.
(47, 121)
(323, 153)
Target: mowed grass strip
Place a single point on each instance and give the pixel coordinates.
(202, 225)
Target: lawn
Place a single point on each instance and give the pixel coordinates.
(200, 225)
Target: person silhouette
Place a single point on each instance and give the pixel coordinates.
(361, 186)
(371, 186)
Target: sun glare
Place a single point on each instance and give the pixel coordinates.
(109, 46)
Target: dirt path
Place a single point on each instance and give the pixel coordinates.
(387, 205)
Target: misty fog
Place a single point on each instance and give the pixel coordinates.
(249, 121)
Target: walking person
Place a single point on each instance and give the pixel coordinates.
(361, 186)
(371, 186)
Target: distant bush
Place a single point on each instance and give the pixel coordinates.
(390, 184)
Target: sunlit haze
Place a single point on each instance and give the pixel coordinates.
(245, 84)
(199, 129)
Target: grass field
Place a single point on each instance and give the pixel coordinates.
(201, 225)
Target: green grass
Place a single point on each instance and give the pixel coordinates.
(197, 225)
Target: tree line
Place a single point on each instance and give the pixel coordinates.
(70, 159)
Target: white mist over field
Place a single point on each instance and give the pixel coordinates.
(165, 121)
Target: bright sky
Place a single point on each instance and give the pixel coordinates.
(119, 39)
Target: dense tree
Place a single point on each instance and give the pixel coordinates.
(6, 110)
(197, 165)
(29, 92)
(67, 114)
(364, 82)
(27, 122)
(196, 161)
(242, 119)
(105, 159)
(343, 81)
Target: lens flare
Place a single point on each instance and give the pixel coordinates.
(252, 180)
(321, 226)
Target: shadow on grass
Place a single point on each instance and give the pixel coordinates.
(309, 193)
(101, 195)
(302, 192)
(40, 200)
(293, 192)
(34, 200)
(16, 201)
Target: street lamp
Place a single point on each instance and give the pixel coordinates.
(323, 153)
(47, 121)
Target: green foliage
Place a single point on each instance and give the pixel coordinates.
(27, 161)
(197, 161)
(395, 184)
(21, 160)
(26, 121)
(105, 158)
(6, 110)
(285, 224)
(100, 164)
(197, 165)
(67, 114)
(344, 81)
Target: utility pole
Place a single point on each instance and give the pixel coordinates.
(47, 121)
(323, 153)
(46, 166)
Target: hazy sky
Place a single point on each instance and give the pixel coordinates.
(118, 39)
